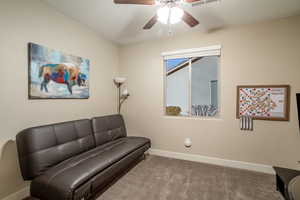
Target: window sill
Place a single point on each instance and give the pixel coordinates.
(215, 118)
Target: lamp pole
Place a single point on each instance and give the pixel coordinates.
(119, 97)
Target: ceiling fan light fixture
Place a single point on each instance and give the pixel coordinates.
(174, 13)
(163, 14)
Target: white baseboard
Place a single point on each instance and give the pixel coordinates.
(19, 195)
(215, 161)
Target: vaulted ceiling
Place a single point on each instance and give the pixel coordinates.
(123, 23)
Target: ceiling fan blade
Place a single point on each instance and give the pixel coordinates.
(189, 19)
(150, 23)
(139, 2)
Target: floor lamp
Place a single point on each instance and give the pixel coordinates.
(121, 96)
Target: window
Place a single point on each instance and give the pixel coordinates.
(192, 82)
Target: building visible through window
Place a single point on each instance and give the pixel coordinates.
(192, 86)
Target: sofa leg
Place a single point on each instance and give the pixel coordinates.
(144, 157)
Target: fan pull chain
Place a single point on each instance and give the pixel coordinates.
(170, 33)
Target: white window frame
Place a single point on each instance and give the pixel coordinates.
(190, 53)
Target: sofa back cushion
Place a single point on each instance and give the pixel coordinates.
(42, 147)
(108, 128)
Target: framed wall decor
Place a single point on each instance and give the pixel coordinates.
(55, 75)
(264, 102)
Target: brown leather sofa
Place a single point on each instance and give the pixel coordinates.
(74, 160)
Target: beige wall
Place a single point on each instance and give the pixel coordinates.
(23, 21)
(265, 53)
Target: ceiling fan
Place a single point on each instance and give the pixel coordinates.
(168, 13)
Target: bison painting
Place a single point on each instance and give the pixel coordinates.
(53, 74)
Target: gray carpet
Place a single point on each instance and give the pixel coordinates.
(158, 178)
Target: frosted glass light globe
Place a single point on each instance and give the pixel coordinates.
(163, 14)
(174, 13)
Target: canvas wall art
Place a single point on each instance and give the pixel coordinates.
(56, 75)
(265, 102)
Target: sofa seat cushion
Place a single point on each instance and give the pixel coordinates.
(59, 182)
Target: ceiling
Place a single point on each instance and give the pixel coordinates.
(123, 23)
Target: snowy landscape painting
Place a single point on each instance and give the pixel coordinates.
(55, 75)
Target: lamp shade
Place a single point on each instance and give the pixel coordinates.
(119, 80)
(125, 92)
